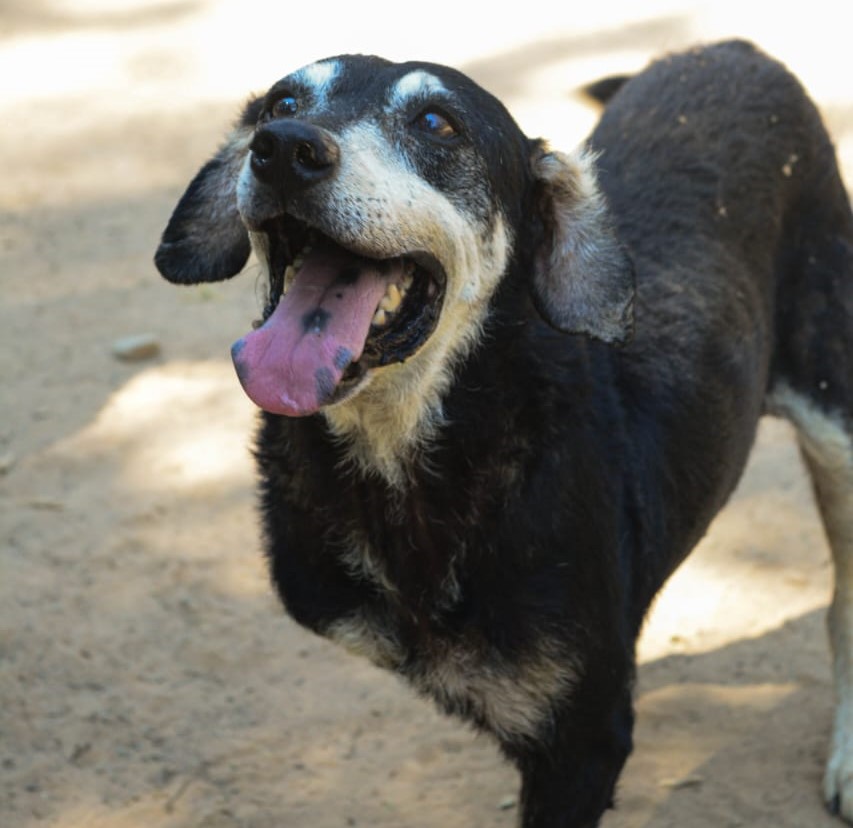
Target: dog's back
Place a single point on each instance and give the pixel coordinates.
(723, 183)
(723, 180)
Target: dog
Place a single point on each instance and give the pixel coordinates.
(505, 389)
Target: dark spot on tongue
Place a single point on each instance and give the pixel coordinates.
(315, 321)
(236, 350)
(343, 357)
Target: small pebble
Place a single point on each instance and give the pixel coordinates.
(79, 752)
(682, 782)
(7, 462)
(45, 504)
(136, 347)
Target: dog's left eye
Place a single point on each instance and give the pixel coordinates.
(435, 124)
(283, 107)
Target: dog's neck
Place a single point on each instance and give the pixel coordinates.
(390, 422)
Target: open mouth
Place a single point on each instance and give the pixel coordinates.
(333, 314)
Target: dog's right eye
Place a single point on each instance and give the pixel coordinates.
(285, 107)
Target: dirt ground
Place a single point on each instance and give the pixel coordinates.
(147, 675)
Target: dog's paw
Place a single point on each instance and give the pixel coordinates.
(838, 780)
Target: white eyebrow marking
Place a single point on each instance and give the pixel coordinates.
(319, 78)
(415, 85)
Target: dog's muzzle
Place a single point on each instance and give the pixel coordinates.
(334, 312)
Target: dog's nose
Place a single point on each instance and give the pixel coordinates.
(293, 154)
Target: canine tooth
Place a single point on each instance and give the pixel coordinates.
(379, 318)
(392, 298)
(289, 276)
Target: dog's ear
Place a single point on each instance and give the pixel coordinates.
(583, 281)
(205, 240)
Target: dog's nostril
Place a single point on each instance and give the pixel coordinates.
(306, 155)
(315, 156)
(262, 148)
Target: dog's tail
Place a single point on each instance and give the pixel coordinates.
(601, 91)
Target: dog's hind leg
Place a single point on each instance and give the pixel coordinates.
(813, 388)
(827, 446)
(833, 478)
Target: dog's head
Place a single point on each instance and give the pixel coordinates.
(386, 202)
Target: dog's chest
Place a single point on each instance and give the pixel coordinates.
(422, 581)
(447, 652)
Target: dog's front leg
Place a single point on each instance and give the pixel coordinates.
(568, 781)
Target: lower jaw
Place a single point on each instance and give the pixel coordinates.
(350, 385)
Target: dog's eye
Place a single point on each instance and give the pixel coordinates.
(284, 107)
(435, 124)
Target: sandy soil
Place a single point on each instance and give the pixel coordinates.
(147, 676)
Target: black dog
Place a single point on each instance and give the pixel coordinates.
(483, 475)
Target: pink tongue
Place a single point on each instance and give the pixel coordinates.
(294, 362)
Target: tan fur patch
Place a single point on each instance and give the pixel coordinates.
(362, 638)
(516, 700)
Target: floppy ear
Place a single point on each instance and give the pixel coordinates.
(583, 281)
(205, 240)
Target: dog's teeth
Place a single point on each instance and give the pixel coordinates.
(299, 261)
(289, 275)
(380, 318)
(392, 298)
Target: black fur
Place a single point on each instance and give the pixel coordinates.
(569, 477)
